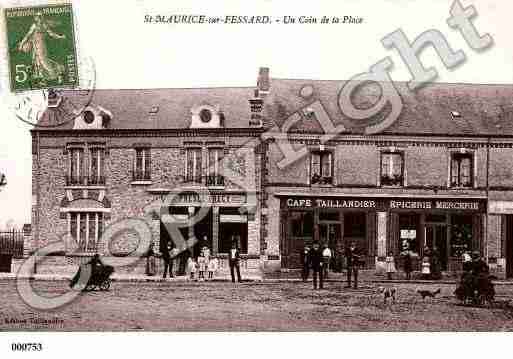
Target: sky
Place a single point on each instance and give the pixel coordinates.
(128, 53)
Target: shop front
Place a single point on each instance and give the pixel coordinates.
(214, 220)
(444, 227)
(382, 225)
(333, 222)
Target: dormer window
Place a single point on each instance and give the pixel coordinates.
(88, 117)
(205, 115)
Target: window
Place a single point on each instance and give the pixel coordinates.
(301, 223)
(322, 167)
(86, 228)
(391, 169)
(193, 165)
(461, 170)
(461, 234)
(215, 156)
(408, 234)
(142, 164)
(354, 225)
(96, 166)
(75, 167)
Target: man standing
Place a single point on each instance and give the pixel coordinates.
(353, 260)
(166, 257)
(315, 256)
(234, 261)
(305, 263)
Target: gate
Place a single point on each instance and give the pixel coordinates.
(11, 246)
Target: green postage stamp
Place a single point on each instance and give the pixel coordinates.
(41, 45)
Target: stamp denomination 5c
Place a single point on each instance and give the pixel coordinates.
(41, 45)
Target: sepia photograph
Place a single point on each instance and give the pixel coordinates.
(202, 168)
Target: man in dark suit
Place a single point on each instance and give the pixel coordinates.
(234, 261)
(166, 257)
(315, 257)
(353, 261)
(305, 264)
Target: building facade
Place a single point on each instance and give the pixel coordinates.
(439, 177)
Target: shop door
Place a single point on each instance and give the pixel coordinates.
(330, 235)
(436, 239)
(509, 246)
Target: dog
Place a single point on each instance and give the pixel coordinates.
(427, 293)
(387, 292)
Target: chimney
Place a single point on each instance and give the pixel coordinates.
(263, 81)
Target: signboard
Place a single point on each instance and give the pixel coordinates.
(208, 198)
(408, 233)
(383, 204)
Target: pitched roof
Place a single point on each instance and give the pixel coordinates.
(135, 109)
(483, 109)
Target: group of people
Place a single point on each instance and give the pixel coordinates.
(476, 282)
(318, 261)
(201, 268)
(430, 265)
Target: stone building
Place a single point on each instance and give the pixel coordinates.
(162, 156)
(440, 176)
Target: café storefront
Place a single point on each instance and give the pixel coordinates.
(335, 222)
(382, 225)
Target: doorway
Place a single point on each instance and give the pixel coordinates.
(436, 240)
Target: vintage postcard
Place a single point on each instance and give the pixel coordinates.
(221, 167)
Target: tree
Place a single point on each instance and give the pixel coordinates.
(3, 180)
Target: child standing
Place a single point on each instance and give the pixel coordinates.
(191, 267)
(202, 266)
(390, 265)
(212, 267)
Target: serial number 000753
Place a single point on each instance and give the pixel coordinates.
(26, 347)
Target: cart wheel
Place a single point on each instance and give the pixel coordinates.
(105, 285)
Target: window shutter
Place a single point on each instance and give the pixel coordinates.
(198, 164)
(316, 164)
(384, 164)
(147, 165)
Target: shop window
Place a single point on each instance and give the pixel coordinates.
(301, 223)
(322, 167)
(86, 228)
(355, 225)
(214, 178)
(392, 169)
(193, 165)
(461, 234)
(233, 227)
(142, 164)
(408, 233)
(96, 166)
(461, 170)
(329, 216)
(75, 167)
